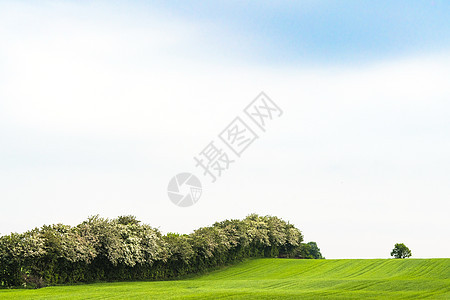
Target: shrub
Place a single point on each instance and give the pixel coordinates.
(101, 249)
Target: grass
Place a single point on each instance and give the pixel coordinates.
(278, 279)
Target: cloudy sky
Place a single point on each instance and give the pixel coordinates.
(102, 103)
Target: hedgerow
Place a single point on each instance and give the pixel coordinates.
(101, 249)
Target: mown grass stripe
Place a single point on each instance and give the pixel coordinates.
(279, 279)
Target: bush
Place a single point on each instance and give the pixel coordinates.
(101, 249)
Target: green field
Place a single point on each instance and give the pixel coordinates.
(279, 279)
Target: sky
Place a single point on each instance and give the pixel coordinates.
(102, 103)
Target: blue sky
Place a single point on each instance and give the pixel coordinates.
(101, 103)
(318, 32)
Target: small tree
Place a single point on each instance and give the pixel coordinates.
(309, 251)
(400, 251)
(315, 251)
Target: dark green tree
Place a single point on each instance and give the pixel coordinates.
(315, 251)
(400, 251)
(309, 251)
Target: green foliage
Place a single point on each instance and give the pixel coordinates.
(127, 220)
(309, 251)
(124, 249)
(400, 251)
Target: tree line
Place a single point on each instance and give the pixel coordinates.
(101, 249)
